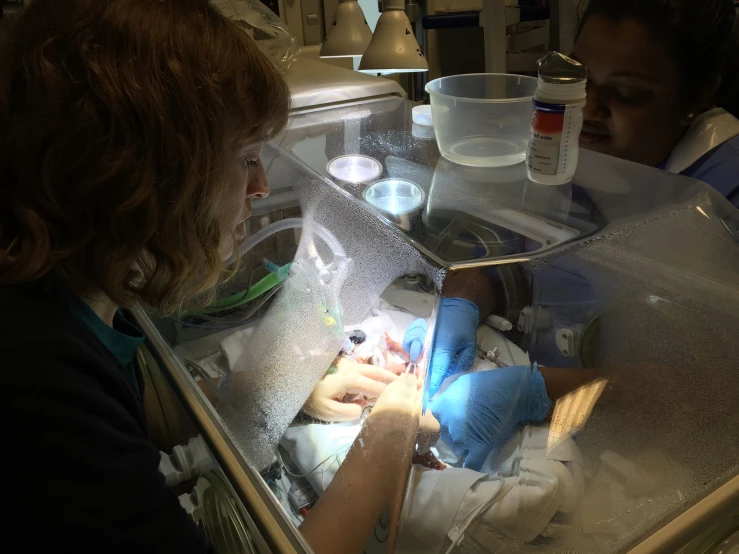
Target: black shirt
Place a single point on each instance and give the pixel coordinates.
(79, 471)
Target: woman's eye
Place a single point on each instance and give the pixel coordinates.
(627, 94)
(248, 163)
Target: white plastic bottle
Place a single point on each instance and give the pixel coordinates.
(551, 158)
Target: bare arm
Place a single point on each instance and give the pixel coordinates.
(474, 285)
(371, 479)
(562, 381)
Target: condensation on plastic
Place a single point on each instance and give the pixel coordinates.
(664, 294)
(302, 332)
(294, 343)
(653, 265)
(271, 34)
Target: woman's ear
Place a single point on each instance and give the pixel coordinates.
(702, 102)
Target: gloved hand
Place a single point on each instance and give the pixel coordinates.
(455, 346)
(414, 338)
(479, 411)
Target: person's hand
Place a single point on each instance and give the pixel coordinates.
(455, 346)
(402, 397)
(479, 411)
(414, 339)
(328, 402)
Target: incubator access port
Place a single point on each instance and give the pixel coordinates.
(395, 196)
(354, 169)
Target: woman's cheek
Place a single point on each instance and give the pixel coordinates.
(225, 249)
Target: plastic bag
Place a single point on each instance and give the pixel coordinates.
(271, 34)
(289, 351)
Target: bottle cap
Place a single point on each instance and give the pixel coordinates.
(560, 69)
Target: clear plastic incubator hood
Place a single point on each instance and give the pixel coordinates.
(629, 271)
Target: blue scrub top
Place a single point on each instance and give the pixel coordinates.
(720, 169)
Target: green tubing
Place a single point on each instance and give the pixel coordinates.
(245, 296)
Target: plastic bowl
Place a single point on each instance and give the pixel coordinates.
(482, 120)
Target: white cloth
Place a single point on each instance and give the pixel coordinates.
(319, 449)
(233, 346)
(527, 485)
(433, 502)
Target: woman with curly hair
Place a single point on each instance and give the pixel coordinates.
(130, 138)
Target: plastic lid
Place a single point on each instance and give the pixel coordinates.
(560, 69)
(422, 115)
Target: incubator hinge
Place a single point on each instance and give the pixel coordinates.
(530, 319)
(568, 340)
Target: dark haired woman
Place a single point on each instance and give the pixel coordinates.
(663, 90)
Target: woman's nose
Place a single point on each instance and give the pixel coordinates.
(596, 107)
(258, 186)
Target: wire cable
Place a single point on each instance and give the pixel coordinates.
(476, 514)
(312, 471)
(225, 521)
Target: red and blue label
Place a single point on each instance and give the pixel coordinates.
(547, 125)
(547, 119)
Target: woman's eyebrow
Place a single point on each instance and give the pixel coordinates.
(644, 78)
(624, 74)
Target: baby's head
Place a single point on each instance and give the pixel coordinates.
(130, 133)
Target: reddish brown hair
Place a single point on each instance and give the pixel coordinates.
(117, 118)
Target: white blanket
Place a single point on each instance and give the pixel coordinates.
(527, 484)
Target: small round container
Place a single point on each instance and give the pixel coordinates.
(423, 123)
(395, 196)
(482, 120)
(354, 169)
(422, 115)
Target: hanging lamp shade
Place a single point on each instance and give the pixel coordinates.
(349, 33)
(394, 48)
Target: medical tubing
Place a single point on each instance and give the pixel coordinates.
(255, 291)
(237, 300)
(293, 223)
(476, 513)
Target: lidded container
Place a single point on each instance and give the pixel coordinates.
(482, 120)
(557, 120)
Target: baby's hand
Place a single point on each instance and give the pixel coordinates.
(350, 379)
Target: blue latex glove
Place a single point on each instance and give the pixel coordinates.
(414, 338)
(455, 346)
(479, 411)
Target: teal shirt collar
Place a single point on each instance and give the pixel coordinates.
(122, 340)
